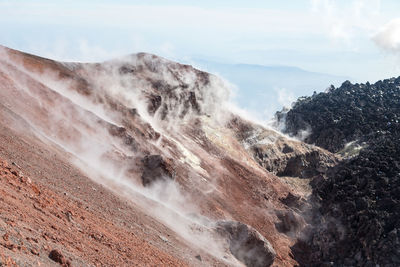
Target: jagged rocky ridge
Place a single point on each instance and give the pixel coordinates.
(352, 112)
(356, 218)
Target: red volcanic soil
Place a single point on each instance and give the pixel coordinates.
(47, 204)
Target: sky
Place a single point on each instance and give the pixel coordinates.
(359, 39)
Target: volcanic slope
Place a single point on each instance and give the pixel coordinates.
(138, 161)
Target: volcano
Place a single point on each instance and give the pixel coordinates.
(140, 161)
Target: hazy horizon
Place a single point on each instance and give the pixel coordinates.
(358, 39)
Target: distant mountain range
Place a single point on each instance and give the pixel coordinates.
(264, 89)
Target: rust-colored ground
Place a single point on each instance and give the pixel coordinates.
(35, 219)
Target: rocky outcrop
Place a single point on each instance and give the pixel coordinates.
(173, 90)
(293, 159)
(281, 155)
(247, 244)
(156, 168)
(58, 257)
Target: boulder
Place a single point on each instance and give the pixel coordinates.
(156, 168)
(246, 243)
(290, 223)
(58, 257)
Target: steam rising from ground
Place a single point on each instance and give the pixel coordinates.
(78, 125)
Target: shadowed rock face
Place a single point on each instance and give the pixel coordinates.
(304, 163)
(156, 169)
(247, 244)
(363, 194)
(282, 156)
(56, 256)
(291, 223)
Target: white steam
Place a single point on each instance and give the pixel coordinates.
(285, 97)
(79, 125)
(388, 37)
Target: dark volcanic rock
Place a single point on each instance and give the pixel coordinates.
(357, 219)
(247, 244)
(363, 193)
(56, 256)
(156, 168)
(154, 103)
(350, 112)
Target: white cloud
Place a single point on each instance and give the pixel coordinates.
(388, 37)
(344, 21)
